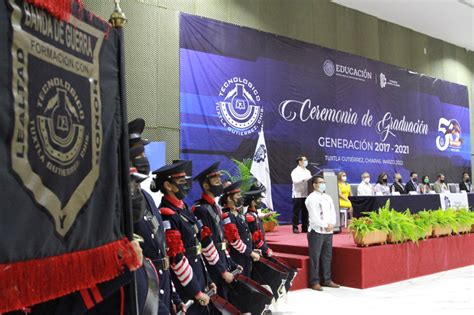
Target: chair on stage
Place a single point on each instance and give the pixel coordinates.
(453, 188)
(343, 217)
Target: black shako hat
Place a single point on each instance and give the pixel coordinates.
(255, 191)
(211, 171)
(175, 170)
(135, 130)
(136, 151)
(232, 188)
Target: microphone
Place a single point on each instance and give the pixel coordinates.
(315, 165)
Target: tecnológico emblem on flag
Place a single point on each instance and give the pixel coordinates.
(57, 134)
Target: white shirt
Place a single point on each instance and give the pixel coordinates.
(300, 176)
(365, 189)
(321, 212)
(384, 189)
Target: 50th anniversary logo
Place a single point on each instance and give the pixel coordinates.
(57, 135)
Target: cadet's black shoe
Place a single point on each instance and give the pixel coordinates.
(296, 231)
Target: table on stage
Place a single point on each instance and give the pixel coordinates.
(415, 203)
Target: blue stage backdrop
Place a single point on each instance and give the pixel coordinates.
(342, 111)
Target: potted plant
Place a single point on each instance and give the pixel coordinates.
(471, 214)
(369, 230)
(269, 221)
(423, 223)
(241, 172)
(401, 227)
(444, 222)
(464, 221)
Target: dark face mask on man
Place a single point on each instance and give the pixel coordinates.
(216, 190)
(142, 164)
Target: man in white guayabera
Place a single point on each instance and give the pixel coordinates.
(300, 176)
(322, 218)
(365, 188)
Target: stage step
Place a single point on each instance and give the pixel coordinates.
(288, 248)
(302, 264)
(294, 260)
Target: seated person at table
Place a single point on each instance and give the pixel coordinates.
(365, 188)
(465, 185)
(440, 186)
(412, 183)
(397, 184)
(382, 186)
(344, 192)
(425, 187)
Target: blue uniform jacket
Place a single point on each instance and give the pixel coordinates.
(187, 268)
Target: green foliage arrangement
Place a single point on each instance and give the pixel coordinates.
(464, 217)
(381, 219)
(471, 214)
(271, 218)
(423, 223)
(241, 172)
(446, 218)
(361, 226)
(399, 225)
(402, 226)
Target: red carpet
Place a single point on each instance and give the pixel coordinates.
(357, 267)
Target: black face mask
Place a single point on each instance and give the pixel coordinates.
(441, 180)
(467, 180)
(183, 190)
(216, 190)
(142, 164)
(239, 202)
(138, 207)
(384, 180)
(399, 180)
(415, 179)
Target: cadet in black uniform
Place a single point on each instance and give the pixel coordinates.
(183, 237)
(150, 227)
(251, 199)
(236, 230)
(206, 209)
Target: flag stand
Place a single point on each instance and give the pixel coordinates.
(118, 20)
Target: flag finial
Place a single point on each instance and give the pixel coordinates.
(117, 18)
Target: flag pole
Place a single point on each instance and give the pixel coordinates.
(118, 20)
